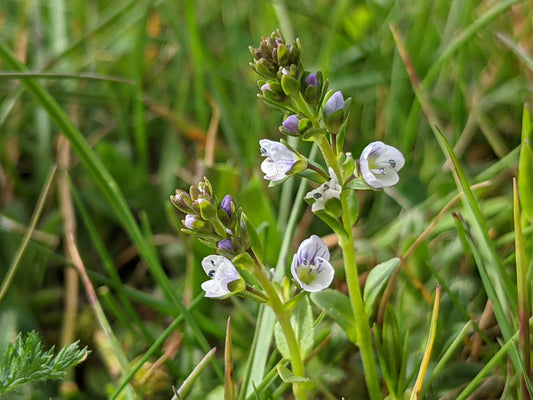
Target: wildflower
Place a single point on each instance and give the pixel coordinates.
(222, 272)
(310, 265)
(379, 164)
(280, 161)
(324, 192)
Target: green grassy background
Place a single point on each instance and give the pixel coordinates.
(144, 82)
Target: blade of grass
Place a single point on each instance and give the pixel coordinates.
(229, 381)
(15, 263)
(522, 283)
(427, 353)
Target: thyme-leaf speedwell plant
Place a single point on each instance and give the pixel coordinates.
(236, 268)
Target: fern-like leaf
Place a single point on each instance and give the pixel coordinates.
(25, 361)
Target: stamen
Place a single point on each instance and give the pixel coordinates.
(382, 171)
(317, 196)
(211, 273)
(392, 163)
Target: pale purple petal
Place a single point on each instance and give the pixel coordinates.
(334, 103)
(379, 164)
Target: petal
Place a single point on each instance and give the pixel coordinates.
(322, 279)
(368, 176)
(311, 248)
(391, 156)
(219, 267)
(334, 103)
(372, 150)
(270, 169)
(214, 289)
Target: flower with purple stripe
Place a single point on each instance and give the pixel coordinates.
(310, 265)
(222, 272)
(279, 159)
(379, 164)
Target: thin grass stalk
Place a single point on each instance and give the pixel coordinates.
(15, 263)
(229, 377)
(429, 347)
(187, 384)
(522, 283)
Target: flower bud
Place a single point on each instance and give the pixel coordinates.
(291, 124)
(227, 205)
(334, 112)
(226, 245)
(182, 201)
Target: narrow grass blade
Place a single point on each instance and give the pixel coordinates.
(427, 354)
(187, 384)
(33, 223)
(229, 378)
(522, 283)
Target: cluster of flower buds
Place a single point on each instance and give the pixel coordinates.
(220, 225)
(285, 82)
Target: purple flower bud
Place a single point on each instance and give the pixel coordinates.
(291, 123)
(225, 244)
(225, 204)
(266, 86)
(311, 80)
(189, 219)
(334, 103)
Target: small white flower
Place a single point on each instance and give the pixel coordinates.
(222, 272)
(310, 265)
(379, 164)
(324, 192)
(279, 159)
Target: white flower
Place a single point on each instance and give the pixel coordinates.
(279, 159)
(379, 164)
(310, 265)
(324, 192)
(222, 272)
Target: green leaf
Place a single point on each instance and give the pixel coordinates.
(339, 308)
(302, 323)
(525, 167)
(353, 204)
(254, 238)
(287, 376)
(376, 281)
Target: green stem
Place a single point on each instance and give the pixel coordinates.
(329, 156)
(364, 336)
(284, 318)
